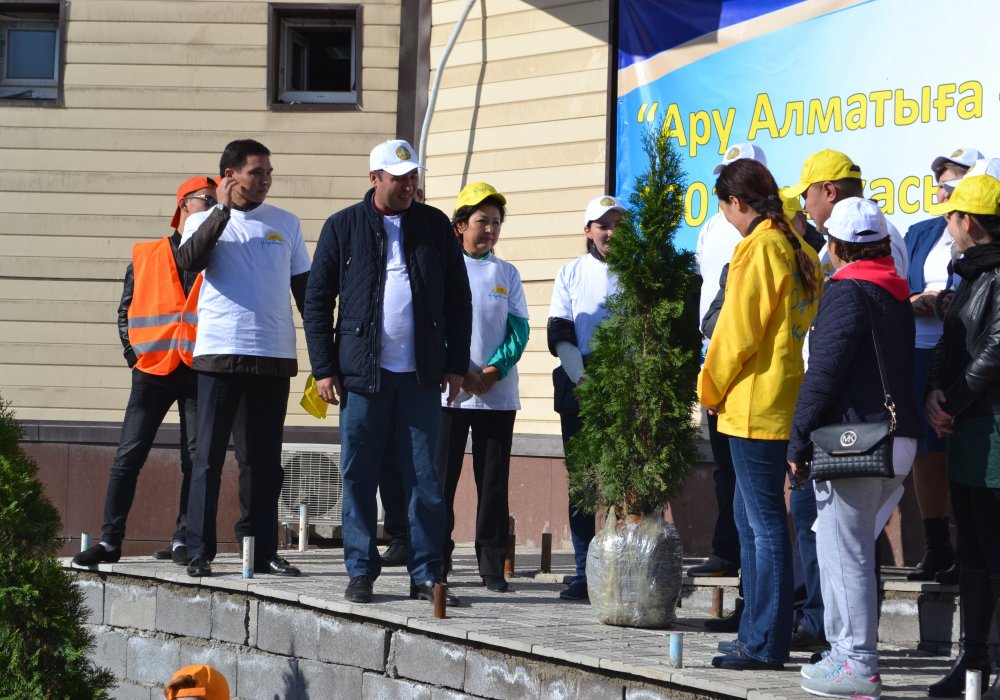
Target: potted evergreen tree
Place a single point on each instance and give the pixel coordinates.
(638, 440)
(43, 642)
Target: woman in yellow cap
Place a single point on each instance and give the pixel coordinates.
(489, 399)
(751, 377)
(963, 402)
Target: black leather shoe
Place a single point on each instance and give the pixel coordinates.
(180, 555)
(92, 556)
(276, 566)
(739, 661)
(953, 684)
(715, 566)
(163, 554)
(425, 591)
(198, 568)
(497, 584)
(803, 641)
(729, 623)
(395, 554)
(948, 577)
(359, 590)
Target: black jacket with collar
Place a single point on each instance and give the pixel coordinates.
(966, 361)
(350, 265)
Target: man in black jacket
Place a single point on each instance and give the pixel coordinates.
(401, 337)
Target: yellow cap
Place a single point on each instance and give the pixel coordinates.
(311, 400)
(790, 203)
(475, 192)
(822, 167)
(979, 194)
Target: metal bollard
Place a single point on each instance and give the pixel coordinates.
(248, 547)
(973, 684)
(84, 541)
(440, 600)
(303, 527)
(677, 650)
(546, 552)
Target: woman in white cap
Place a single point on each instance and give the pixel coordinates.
(489, 400)
(963, 402)
(750, 378)
(864, 298)
(930, 253)
(578, 297)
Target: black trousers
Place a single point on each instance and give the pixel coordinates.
(492, 435)
(725, 539)
(252, 409)
(150, 399)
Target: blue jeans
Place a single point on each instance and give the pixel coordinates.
(765, 551)
(809, 608)
(414, 411)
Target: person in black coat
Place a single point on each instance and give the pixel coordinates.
(843, 384)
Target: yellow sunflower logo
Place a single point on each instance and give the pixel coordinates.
(403, 153)
(607, 201)
(732, 153)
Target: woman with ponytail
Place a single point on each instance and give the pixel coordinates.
(751, 378)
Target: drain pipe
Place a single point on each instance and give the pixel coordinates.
(425, 130)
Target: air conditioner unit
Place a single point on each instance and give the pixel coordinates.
(312, 476)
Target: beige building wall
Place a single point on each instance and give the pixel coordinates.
(153, 92)
(523, 106)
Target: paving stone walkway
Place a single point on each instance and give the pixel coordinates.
(532, 620)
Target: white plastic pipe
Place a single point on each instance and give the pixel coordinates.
(432, 100)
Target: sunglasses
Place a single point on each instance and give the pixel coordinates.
(207, 198)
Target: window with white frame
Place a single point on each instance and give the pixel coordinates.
(30, 52)
(314, 55)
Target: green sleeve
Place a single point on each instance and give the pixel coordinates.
(513, 345)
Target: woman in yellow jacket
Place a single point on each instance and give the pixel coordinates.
(751, 377)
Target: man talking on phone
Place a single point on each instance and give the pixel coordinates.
(251, 254)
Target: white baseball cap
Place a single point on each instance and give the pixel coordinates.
(396, 157)
(599, 206)
(984, 166)
(965, 157)
(741, 150)
(857, 220)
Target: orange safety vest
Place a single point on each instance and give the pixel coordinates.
(162, 322)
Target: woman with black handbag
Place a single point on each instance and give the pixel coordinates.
(963, 402)
(855, 386)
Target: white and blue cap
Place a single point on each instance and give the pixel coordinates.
(599, 206)
(965, 157)
(857, 220)
(396, 157)
(985, 166)
(741, 150)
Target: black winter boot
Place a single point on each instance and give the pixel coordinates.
(977, 614)
(994, 692)
(939, 555)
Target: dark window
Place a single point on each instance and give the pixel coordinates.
(313, 56)
(30, 52)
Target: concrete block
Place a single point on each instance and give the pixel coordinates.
(939, 619)
(266, 677)
(253, 607)
(109, 650)
(229, 618)
(184, 611)
(127, 605)
(151, 659)
(319, 680)
(500, 677)
(428, 661)
(445, 694)
(353, 644)
(647, 693)
(223, 659)
(133, 691)
(562, 684)
(93, 598)
(900, 622)
(377, 687)
(289, 631)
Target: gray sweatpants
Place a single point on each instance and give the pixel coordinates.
(851, 514)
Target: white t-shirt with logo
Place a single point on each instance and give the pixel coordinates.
(717, 240)
(496, 293)
(397, 352)
(244, 307)
(579, 295)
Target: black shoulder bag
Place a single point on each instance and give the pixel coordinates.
(850, 450)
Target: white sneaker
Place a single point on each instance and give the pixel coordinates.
(844, 683)
(824, 667)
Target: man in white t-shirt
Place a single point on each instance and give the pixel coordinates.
(402, 335)
(251, 254)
